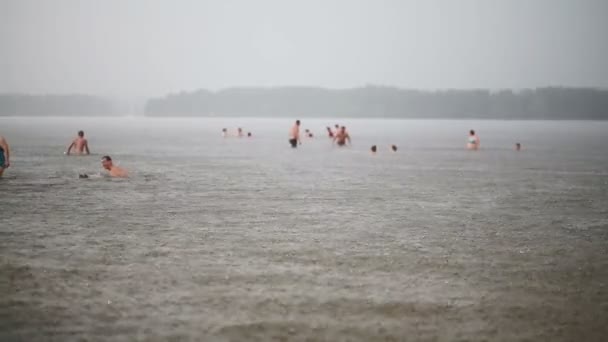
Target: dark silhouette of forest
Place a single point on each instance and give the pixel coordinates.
(552, 103)
(387, 102)
(55, 105)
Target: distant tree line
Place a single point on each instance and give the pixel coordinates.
(55, 105)
(366, 102)
(387, 102)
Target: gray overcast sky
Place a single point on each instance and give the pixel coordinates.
(149, 47)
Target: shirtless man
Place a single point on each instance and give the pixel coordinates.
(80, 143)
(4, 155)
(294, 135)
(342, 137)
(115, 171)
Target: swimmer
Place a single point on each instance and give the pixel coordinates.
(115, 171)
(337, 129)
(473, 141)
(249, 135)
(294, 135)
(394, 148)
(240, 132)
(342, 137)
(4, 155)
(224, 132)
(80, 143)
(374, 149)
(310, 135)
(517, 147)
(329, 132)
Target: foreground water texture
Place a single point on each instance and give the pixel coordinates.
(248, 240)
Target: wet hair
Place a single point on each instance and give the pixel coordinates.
(224, 129)
(328, 128)
(472, 132)
(248, 134)
(310, 135)
(81, 133)
(298, 122)
(106, 158)
(394, 148)
(373, 148)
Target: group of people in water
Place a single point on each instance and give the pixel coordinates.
(239, 133)
(339, 135)
(78, 146)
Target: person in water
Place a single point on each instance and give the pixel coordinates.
(373, 149)
(330, 133)
(80, 144)
(394, 148)
(249, 134)
(240, 132)
(115, 171)
(294, 135)
(517, 147)
(224, 132)
(342, 137)
(5, 155)
(473, 141)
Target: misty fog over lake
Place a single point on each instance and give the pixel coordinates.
(418, 230)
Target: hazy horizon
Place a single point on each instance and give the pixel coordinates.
(140, 49)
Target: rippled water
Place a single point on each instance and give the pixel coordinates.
(247, 239)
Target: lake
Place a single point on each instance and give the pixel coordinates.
(246, 239)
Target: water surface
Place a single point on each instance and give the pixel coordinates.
(247, 239)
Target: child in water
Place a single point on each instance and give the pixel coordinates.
(473, 141)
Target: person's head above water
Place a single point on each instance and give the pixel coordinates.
(106, 162)
(517, 146)
(373, 148)
(343, 129)
(297, 122)
(81, 134)
(224, 130)
(472, 132)
(249, 134)
(394, 148)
